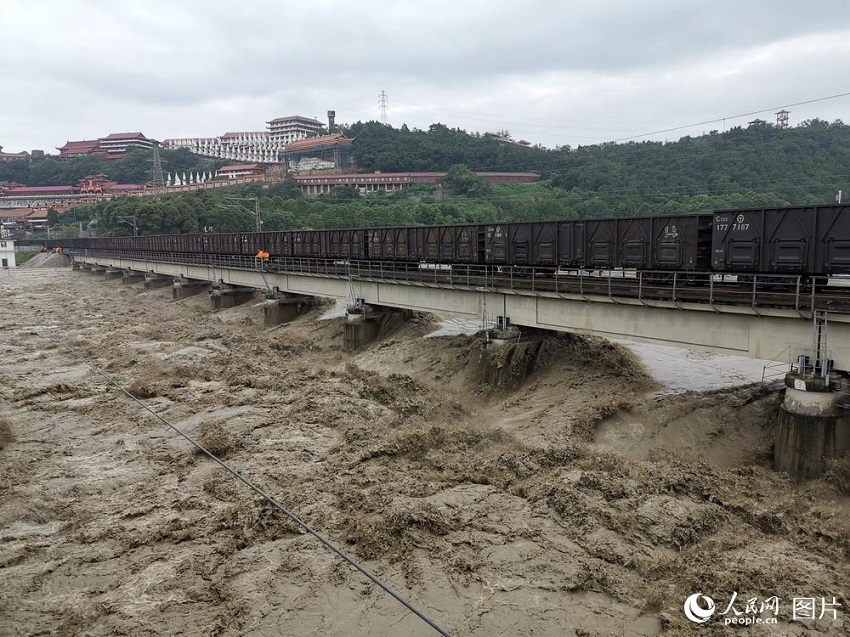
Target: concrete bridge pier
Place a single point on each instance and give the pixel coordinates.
(281, 307)
(363, 324)
(812, 427)
(86, 267)
(98, 269)
(76, 266)
(111, 273)
(184, 288)
(223, 296)
(131, 276)
(153, 281)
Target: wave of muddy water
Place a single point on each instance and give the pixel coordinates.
(543, 489)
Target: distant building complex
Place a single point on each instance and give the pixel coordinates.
(264, 147)
(113, 146)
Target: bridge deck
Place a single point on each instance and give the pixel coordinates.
(765, 317)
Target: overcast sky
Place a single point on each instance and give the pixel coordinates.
(553, 72)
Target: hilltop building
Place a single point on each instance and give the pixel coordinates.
(285, 130)
(263, 147)
(7, 157)
(113, 146)
(326, 152)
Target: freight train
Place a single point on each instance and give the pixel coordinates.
(805, 241)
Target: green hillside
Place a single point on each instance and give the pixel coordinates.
(744, 167)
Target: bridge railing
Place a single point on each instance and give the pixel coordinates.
(755, 291)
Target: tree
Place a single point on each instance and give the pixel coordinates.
(460, 180)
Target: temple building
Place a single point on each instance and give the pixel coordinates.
(285, 130)
(262, 147)
(113, 146)
(326, 152)
(7, 157)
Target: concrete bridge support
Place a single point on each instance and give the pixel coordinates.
(98, 269)
(283, 308)
(223, 296)
(363, 324)
(184, 288)
(76, 266)
(153, 281)
(129, 276)
(811, 428)
(111, 274)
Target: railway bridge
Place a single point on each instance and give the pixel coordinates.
(765, 317)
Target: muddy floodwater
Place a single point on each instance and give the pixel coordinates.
(551, 487)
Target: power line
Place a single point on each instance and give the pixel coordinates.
(721, 119)
(257, 490)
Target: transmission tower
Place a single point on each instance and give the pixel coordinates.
(384, 104)
(157, 178)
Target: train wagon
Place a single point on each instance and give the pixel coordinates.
(346, 243)
(308, 243)
(523, 243)
(805, 240)
(395, 243)
(678, 242)
(452, 244)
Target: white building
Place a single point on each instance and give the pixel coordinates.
(263, 147)
(7, 253)
(285, 130)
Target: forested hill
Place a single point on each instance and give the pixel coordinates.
(751, 167)
(760, 164)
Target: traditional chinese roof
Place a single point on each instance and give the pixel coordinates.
(126, 136)
(296, 118)
(40, 190)
(81, 147)
(236, 167)
(323, 141)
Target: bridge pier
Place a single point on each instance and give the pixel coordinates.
(281, 307)
(111, 273)
(98, 269)
(131, 276)
(184, 288)
(153, 281)
(223, 296)
(811, 428)
(363, 324)
(76, 266)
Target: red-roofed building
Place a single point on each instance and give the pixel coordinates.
(78, 148)
(113, 146)
(7, 157)
(322, 183)
(117, 144)
(239, 170)
(29, 191)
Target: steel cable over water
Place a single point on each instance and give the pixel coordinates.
(277, 505)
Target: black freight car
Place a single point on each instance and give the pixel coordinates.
(677, 242)
(395, 243)
(345, 243)
(524, 243)
(810, 240)
(452, 244)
